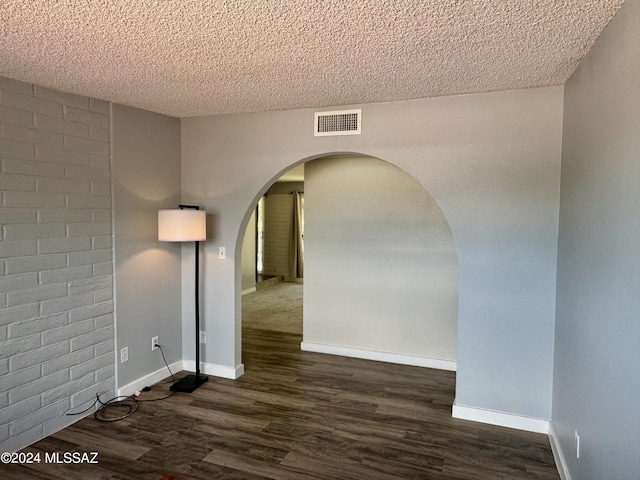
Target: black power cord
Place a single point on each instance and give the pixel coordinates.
(129, 404)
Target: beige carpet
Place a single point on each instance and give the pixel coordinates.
(277, 307)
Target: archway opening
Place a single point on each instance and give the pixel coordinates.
(380, 273)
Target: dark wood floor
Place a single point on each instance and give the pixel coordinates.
(299, 415)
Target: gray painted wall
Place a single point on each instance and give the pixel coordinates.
(490, 161)
(56, 269)
(146, 178)
(381, 272)
(249, 256)
(597, 354)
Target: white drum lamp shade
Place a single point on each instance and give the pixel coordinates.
(182, 225)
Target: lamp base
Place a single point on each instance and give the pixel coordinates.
(188, 384)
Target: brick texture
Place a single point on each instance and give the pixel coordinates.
(56, 271)
(278, 211)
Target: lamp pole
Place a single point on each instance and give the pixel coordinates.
(197, 283)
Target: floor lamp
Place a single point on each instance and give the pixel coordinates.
(186, 224)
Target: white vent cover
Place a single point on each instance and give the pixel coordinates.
(344, 122)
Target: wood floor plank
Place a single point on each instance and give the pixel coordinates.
(92, 441)
(259, 469)
(299, 415)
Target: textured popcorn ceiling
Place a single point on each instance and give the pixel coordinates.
(190, 57)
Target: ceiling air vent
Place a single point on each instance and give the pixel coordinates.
(344, 122)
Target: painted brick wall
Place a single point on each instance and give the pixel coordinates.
(56, 270)
(278, 211)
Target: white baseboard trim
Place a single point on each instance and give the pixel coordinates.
(380, 356)
(215, 370)
(150, 379)
(189, 365)
(248, 290)
(501, 419)
(558, 455)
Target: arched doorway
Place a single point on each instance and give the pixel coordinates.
(381, 277)
(273, 258)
